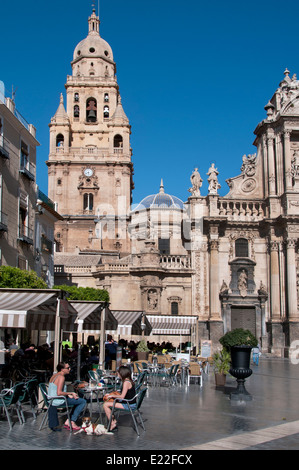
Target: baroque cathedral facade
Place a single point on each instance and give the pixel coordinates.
(196, 268)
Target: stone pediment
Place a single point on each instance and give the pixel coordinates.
(248, 185)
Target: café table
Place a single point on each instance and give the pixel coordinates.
(93, 390)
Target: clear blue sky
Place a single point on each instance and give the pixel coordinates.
(194, 76)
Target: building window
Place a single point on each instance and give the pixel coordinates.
(106, 111)
(241, 248)
(76, 111)
(88, 202)
(164, 246)
(174, 308)
(118, 141)
(91, 110)
(76, 97)
(59, 140)
(22, 263)
(24, 156)
(106, 98)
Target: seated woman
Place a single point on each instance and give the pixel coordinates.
(57, 387)
(128, 393)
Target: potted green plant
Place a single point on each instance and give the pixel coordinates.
(239, 343)
(221, 365)
(238, 337)
(142, 350)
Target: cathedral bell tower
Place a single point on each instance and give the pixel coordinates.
(90, 169)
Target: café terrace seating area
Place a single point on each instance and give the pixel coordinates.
(23, 385)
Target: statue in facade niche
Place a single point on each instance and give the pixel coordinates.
(152, 299)
(196, 181)
(213, 179)
(242, 283)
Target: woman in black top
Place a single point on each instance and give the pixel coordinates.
(128, 393)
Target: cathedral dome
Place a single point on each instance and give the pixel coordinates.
(161, 200)
(93, 45)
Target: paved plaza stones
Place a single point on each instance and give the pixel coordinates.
(190, 418)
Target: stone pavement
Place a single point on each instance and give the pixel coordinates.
(188, 419)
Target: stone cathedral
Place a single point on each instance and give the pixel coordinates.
(196, 268)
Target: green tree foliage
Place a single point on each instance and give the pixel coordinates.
(18, 279)
(84, 293)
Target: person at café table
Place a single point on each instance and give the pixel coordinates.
(128, 393)
(57, 387)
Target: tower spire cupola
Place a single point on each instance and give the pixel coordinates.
(93, 23)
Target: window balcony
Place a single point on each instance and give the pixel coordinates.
(46, 245)
(28, 170)
(4, 148)
(25, 235)
(3, 222)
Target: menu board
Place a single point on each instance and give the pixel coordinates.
(206, 348)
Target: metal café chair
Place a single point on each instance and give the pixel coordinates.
(29, 395)
(116, 411)
(64, 409)
(9, 400)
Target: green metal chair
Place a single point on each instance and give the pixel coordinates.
(29, 396)
(93, 376)
(140, 379)
(9, 400)
(63, 409)
(117, 411)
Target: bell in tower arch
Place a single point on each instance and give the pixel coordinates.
(91, 110)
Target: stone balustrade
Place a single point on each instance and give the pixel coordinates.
(242, 210)
(175, 262)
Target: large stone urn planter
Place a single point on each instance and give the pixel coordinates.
(240, 369)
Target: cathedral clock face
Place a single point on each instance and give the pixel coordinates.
(88, 172)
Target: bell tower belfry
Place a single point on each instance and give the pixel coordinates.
(89, 166)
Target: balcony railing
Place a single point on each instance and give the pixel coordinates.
(4, 147)
(25, 234)
(175, 262)
(242, 210)
(28, 170)
(3, 222)
(46, 245)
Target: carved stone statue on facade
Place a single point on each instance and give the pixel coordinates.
(196, 181)
(213, 179)
(295, 165)
(152, 299)
(242, 283)
(224, 288)
(248, 166)
(262, 290)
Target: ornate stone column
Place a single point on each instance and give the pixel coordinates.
(214, 280)
(274, 281)
(291, 279)
(271, 167)
(288, 160)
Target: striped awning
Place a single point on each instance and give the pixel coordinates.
(89, 316)
(129, 322)
(34, 309)
(171, 324)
